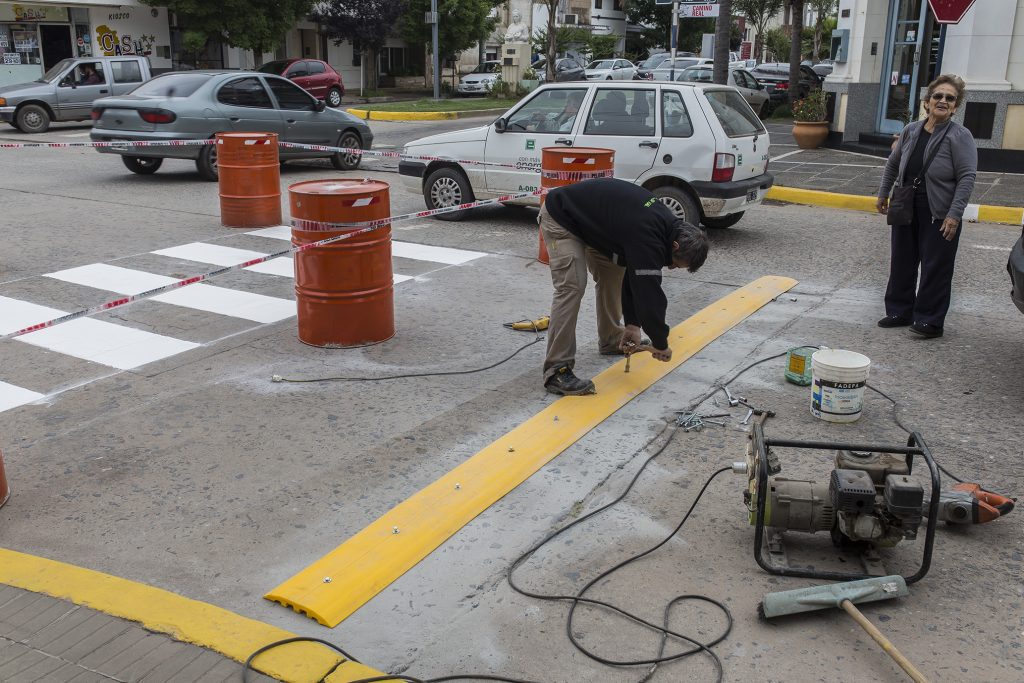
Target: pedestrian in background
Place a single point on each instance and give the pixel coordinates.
(938, 158)
(624, 236)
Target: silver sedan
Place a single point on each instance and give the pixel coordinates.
(753, 91)
(194, 105)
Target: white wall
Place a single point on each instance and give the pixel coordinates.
(866, 24)
(1015, 64)
(978, 47)
(131, 30)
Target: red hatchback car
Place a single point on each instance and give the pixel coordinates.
(317, 78)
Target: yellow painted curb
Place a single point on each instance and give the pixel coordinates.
(403, 115)
(1009, 215)
(371, 560)
(184, 619)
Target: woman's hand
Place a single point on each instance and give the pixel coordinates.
(949, 228)
(882, 205)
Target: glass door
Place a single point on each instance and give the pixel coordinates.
(898, 102)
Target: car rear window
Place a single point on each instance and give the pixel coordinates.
(276, 68)
(733, 112)
(172, 85)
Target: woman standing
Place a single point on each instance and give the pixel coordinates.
(930, 240)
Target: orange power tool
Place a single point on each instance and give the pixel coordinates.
(971, 504)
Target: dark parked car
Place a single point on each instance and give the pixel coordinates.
(566, 69)
(1015, 266)
(775, 76)
(317, 78)
(195, 105)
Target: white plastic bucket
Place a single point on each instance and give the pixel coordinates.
(838, 379)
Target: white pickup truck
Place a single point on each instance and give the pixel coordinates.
(66, 92)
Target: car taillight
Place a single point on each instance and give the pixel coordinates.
(725, 165)
(782, 85)
(157, 116)
(96, 114)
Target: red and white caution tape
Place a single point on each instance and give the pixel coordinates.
(400, 155)
(577, 175)
(114, 143)
(306, 226)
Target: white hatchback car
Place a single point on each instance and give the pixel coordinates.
(699, 148)
(610, 70)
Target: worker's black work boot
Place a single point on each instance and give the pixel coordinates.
(564, 383)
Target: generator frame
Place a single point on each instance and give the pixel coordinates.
(915, 447)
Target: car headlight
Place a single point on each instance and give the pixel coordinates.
(3, 102)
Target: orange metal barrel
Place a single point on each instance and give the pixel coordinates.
(567, 165)
(345, 290)
(249, 174)
(5, 490)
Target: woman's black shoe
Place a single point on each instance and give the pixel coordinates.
(925, 330)
(893, 321)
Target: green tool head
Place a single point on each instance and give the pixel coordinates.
(823, 597)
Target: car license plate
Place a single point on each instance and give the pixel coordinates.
(752, 196)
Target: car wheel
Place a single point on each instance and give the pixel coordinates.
(142, 165)
(349, 161)
(765, 111)
(206, 164)
(33, 119)
(679, 202)
(723, 221)
(333, 98)
(447, 187)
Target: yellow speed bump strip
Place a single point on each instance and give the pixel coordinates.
(186, 620)
(339, 583)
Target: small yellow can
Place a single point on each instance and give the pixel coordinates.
(798, 365)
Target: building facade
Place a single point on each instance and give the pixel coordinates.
(894, 48)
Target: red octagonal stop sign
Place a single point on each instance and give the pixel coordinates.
(950, 11)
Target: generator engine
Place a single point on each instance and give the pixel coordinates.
(869, 497)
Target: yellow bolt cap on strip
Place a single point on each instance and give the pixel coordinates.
(369, 561)
(184, 619)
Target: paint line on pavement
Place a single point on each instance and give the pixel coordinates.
(216, 254)
(991, 248)
(426, 252)
(278, 232)
(112, 278)
(101, 342)
(12, 396)
(184, 619)
(284, 267)
(16, 314)
(787, 154)
(373, 558)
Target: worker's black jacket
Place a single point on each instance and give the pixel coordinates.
(631, 227)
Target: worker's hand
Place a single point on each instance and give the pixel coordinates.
(882, 205)
(949, 228)
(631, 338)
(664, 355)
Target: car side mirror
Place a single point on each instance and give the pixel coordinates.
(500, 126)
(67, 82)
(319, 105)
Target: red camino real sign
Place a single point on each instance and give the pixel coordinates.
(950, 11)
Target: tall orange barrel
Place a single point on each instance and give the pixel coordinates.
(249, 173)
(345, 290)
(567, 165)
(5, 490)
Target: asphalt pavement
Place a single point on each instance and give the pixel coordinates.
(185, 467)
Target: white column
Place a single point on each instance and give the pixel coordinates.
(866, 24)
(978, 48)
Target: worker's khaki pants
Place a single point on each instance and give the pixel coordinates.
(570, 260)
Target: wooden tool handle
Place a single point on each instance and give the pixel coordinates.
(872, 631)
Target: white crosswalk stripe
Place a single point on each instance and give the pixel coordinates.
(12, 396)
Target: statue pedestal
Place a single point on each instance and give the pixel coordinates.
(515, 57)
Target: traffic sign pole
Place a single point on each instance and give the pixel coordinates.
(675, 41)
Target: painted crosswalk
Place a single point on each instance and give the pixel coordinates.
(121, 346)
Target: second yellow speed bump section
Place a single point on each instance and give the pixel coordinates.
(342, 581)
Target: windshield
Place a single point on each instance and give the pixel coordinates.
(652, 62)
(276, 68)
(737, 118)
(55, 70)
(172, 85)
(679, 63)
(486, 68)
(696, 75)
(601, 64)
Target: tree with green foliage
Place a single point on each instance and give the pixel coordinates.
(364, 23)
(566, 38)
(758, 13)
(776, 41)
(257, 25)
(823, 10)
(460, 24)
(658, 20)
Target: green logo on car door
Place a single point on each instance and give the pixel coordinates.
(529, 144)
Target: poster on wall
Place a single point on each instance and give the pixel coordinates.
(12, 58)
(22, 13)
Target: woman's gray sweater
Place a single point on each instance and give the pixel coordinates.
(950, 177)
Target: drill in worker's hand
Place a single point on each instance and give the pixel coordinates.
(971, 504)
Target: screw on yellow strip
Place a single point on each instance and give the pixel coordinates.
(184, 619)
(368, 562)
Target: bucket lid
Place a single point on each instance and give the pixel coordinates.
(339, 186)
(840, 358)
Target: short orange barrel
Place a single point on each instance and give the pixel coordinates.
(567, 165)
(249, 173)
(5, 490)
(345, 290)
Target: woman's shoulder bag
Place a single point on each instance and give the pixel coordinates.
(901, 203)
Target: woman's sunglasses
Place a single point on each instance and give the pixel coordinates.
(938, 97)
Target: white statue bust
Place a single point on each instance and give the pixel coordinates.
(517, 31)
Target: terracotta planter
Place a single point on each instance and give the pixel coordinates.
(810, 134)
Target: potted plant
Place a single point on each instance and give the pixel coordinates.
(809, 125)
(529, 79)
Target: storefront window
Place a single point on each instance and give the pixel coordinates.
(19, 44)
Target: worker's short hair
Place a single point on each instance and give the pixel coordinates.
(693, 245)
